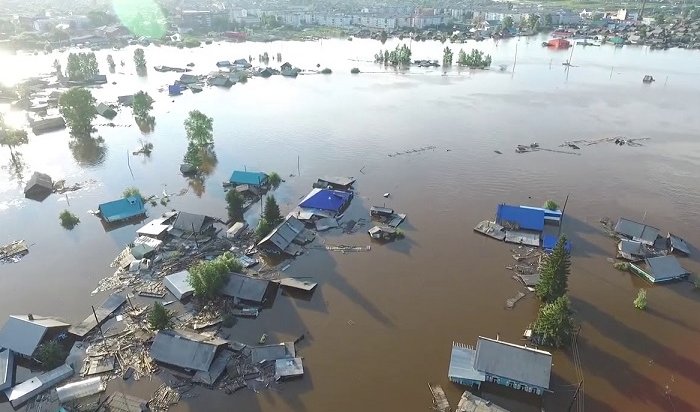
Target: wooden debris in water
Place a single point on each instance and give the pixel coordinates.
(440, 402)
(510, 303)
(13, 252)
(411, 151)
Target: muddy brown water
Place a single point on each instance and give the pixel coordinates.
(381, 323)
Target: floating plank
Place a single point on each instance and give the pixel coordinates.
(298, 284)
(491, 229)
(439, 398)
(246, 312)
(109, 306)
(155, 295)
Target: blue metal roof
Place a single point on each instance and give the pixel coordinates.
(521, 217)
(122, 209)
(239, 177)
(326, 199)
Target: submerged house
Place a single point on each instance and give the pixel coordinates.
(519, 367)
(660, 269)
(39, 187)
(178, 284)
(639, 232)
(188, 223)
(22, 334)
(336, 183)
(186, 350)
(122, 209)
(332, 202)
(286, 238)
(242, 63)
(256, 179)
(246, 288)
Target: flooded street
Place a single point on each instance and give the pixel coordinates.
(381, 323)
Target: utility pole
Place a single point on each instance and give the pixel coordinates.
(578, 388)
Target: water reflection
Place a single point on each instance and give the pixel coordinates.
(16, 167)
(146, 125)
(204, 158)
(88, 151)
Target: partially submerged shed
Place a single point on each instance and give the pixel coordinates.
(336, 183)
(288, 368)
(178, 284)
(240, 177)
(660, 269)
(24, 333)
(127, 100)
(184, 349)
(274, 352)
(26, 390)
(156, 228)
(122, 209)
(106, 111)
(246, 288)
(677, 245)
(48, 124)
(39, 187)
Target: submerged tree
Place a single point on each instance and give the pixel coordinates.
(551, 205)
(140, 61)
(274, 179)
(208, 277)
(77, 106)
(272, 213)
(554, 273)
(507, 23)
(447, 57)
(555, 324)
(474, 60)
(132, 191)
(199, 127)
(82, 66)
(143, 103)
(640, 302)
(110, 61)
(160, 318)
(68, 220)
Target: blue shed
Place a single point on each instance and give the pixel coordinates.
(239, 177)
(122, 209)
(519, 217)
(175, 89)
(326, 199)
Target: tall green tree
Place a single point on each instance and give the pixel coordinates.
(555, 324)
(272, 213)
(160, 318)
(507, 23)
(199, 129)
(143, 103)
(533, 21)
(77, 106)
(234, 202)
(208, 277)
(554, 273)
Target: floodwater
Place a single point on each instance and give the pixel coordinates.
(381, 324)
